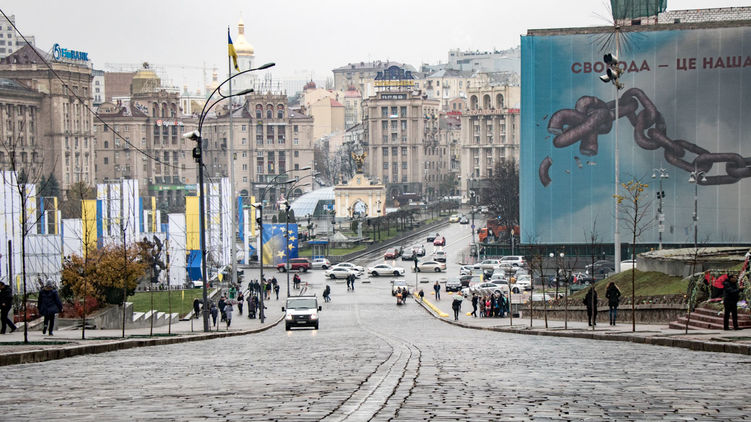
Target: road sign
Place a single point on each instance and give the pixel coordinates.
(473, 227)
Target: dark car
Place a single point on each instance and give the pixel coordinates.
(409, 255)
(453, 284)
(432, 237)
(600, 268)
(464, 279)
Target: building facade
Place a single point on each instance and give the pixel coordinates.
(361, 76)
(10, 41)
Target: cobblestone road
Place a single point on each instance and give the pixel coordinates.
(372, 360)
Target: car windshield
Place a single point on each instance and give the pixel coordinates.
(301, 303)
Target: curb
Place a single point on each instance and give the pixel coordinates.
(697, 345)
(32, 356)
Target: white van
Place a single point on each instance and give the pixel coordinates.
(629, 264)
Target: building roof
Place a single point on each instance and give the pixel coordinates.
(307, 203)
(27, 54)
(128, 110)
(374, 65)
(335, 103)
(12, 85)
(451, 73)
(242, 46)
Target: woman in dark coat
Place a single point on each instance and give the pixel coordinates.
(590, 301)
(613, 293)
(49, 304)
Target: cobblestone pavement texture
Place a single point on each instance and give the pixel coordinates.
(374, 360)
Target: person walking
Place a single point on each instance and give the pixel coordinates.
(214, 312)
(590, 301)
(731, 293)
(437, 288)
(422, 295)
(222, 305)
(475, 299)
(352, 283)
(49, 304)
(240, 303)
(252, 305)
(196, 307)
(228, 314)
(276, 290)
(327, 294)
(268, 290)
(349, 280)
(6, 303)
(613, 294)
(456, 305)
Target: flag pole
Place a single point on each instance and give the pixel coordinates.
(233, 216)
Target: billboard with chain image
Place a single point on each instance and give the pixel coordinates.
(684, 106)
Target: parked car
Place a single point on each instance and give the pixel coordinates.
(431, 266)
(487, 288)
(521, 283)
(453, 284)
(439, 241)
(432, 237)
(409, 255)
(398, 283)
(581, 278)
(465, 279)
(339, 272)
(385, 269)
(464, 220)
(513, 261)
(419, 250)
(391, 253)
(600, 268)
(488, 264)
(498, 277)
(350, 266)
(454, 218)
(321, 263)
(465, 270)
(484, 209)
(629, 264)
(295, 264)
(439, 256)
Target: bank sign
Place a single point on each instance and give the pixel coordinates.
(59, 53)
(684, 108)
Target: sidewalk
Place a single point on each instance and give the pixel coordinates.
(656, 334)
(68, 342)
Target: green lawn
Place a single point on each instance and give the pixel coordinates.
(142, 300)
(649, 283)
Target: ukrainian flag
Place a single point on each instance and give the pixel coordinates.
(231, 51)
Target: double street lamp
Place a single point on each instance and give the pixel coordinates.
(286, 220)
(696, 177)
(198, 157)
(662, 174)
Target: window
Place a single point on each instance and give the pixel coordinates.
(259, 110)
(384, 112)
(244, 128)
(297, 154)
(384, 125)
(394, 151)
(268, 114)
(404, 151)
(297, 167)
(245, 154)
(404, 165)
(106, 144)
(270, 163)
(394, 112)
(245, 167)
(394, 125)
(385, 152)
(404, 125)
(294, 128)
(385, 165)
(403, 111)
(244, 141)
(106, 160)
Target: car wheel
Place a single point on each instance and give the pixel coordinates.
(396, 273)
(332, 276)
(316, 326)
(418, 269)
(282, 269)
(374, 273)
(325, 267)
(438, 270)
(515, 290)
(286, 327)
(305, 269)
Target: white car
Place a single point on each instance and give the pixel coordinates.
(523, 282)
(488, 288)
(465, 270)
(629, 264)
(339, 272)
(439, 256)
(398, 284)
(431, 266)
(513, 261)
(350, 266)
(488, 264)
(385, 269)
(321, 263)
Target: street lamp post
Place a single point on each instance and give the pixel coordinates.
(696, 177)
(286, 220)
(663, 174)
(565, 294)
(198, 156)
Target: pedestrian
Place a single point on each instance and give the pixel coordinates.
(475, 299)
(276, 290)
(6, 303)
(437, 288)
(214, 312)
(49, 304)
(232, 292)
(488, 307)
(352, 283)
(252, 305)
(228, 314)
(590, 301)
(422, 295)
(327, 294)
(268, 291)
(482, 307)
(196, 307)
(731, 293)
(349, 279)
(717, 286)
(222, 305)
(456, 305)
(240, 302)
(613, 294)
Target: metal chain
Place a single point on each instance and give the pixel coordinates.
(591, 117)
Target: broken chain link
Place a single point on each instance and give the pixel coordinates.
(591, 117)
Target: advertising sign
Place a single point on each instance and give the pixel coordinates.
(683, 108)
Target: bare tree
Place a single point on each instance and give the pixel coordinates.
(536, 264)
(638, 219)
(502, 193)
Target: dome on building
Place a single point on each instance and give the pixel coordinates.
(145, 80)
(309, 85)
(214, 83)
(315, 203)
(242, 46)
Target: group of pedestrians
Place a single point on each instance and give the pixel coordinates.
(613, 295)
(490, 306)
(351, 282)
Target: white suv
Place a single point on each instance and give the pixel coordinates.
(301, 311)
(513, 261)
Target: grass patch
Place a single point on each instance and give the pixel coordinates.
(335, 251)
(142, 300)
(649, 283)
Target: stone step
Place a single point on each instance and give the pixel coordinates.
(698, 324)
(137, 316)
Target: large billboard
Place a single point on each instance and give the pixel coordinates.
(685, 106)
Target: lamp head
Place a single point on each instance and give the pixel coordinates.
(305, 168)
(244, 92)
(266, 66)
(654, 175)
(193, 135)
(692, 178)
(551, 254)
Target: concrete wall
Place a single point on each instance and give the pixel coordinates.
(645, 314)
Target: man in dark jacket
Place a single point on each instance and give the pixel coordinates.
(731, 293)
(437, 289)
(196, 307)
(49, 304)
(222, 304)
(456, 305)
(6, 303)
(590, 301)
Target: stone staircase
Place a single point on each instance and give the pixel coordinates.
(709, 319)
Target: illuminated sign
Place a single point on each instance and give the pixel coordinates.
(169, 123)
(59, 53)
(393, 96)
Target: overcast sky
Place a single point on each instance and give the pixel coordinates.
(304, 38)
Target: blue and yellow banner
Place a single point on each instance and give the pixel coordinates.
(275, 247)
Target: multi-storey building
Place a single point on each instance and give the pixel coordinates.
(20, 109)
(401, 134)
(445, 85)
(490, 132)
(352, 108)
(10, 41)
(362, 75)
(98, 92)
(62, 132)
